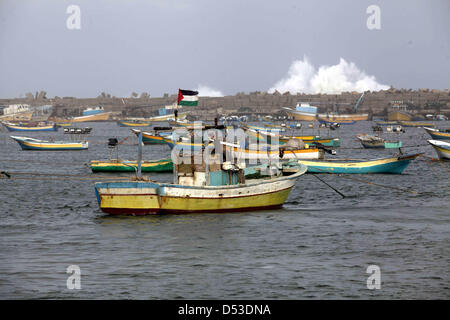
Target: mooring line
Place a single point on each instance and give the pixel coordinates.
(337, 191)
(55, 176)
(368, 182)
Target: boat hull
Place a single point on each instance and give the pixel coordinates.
(122, 123)
(262, 136)
(49, 146)
(394, 165)
(343, 117)
(416, 124)
(104, 116)
(301, 116)
(141, 198)
(11, 127)
(301, 154)
(442, 148)
(399, 116)
(436, 135)
(20, 116)
(339, 121)
(381, 145)
(130, 166)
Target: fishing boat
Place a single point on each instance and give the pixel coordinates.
(156, 137)
(386, 123)
(207, 187)
(265, 153)
(437, 134)
(416, 124)
(303, 112)
(265, 129)
(370, 142)
(185, 123)
(132, 123)
(63, 124)
(117, 165)
(442, 148)
(385, 165)
(103, 116)
(334, 120)
(42, 145)
(17, 112)
(399, 115)
(18, 127)
(273, 126)
(283, 139)
(93, 110)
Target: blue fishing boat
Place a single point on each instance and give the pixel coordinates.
(18, 127)
(394, 165)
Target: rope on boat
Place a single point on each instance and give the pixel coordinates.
(55, 176)
(337, 191)
(430, 159)
(362, 148)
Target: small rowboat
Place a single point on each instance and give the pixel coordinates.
(63, 124)
(437, 134)
(41, 145)
(154, 138)
(275, 153)
(371, 142)
(338, 121)
(283, 139)
(114, 165)
(416, 124)
(385, 165)
(442, 148)
(124, 123)
(265, 129)
(14, 127)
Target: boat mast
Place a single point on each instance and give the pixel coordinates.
(139, 170)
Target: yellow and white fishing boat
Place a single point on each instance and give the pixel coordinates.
(42, 145)
(210, 187)
(437, 134)
(442, 148)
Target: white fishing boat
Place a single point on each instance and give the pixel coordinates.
(442, 148)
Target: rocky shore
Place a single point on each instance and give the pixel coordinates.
(420, 102)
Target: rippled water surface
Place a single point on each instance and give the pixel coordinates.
(317, 247)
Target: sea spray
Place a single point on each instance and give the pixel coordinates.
(303, 77)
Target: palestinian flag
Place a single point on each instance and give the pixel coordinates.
(187, 98)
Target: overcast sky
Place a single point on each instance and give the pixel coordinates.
(158, 46)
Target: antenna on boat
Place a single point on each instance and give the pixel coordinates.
(139, 169)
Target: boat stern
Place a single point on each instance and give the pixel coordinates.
(125, 198)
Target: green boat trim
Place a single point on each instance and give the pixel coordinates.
(164, 165)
